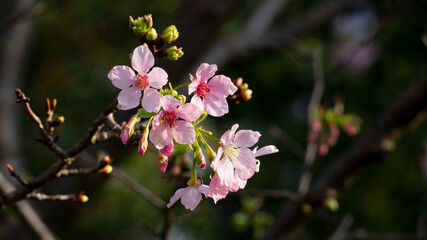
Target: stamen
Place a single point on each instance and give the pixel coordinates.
(170, 117)
(203, 89)
(142, 82)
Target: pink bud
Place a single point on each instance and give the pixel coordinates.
(350, 129)
(316, 126)
(334, 134)
(162, 161)
(167, 151)
(127, 129)
(124, 134)
(323, 148)
(143, 142)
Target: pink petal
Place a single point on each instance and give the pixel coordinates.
(204, 189)
(206, 71)
(193, 85)
(245, 163)
(189, 111)
(157, 77)
(214, 163)
(176, 196)
(246, 138)
(228, 136)
(167, 151)
(151, 101)
(225, 171)
(191, 198)
(129, 98)
(142, 59)
(122, 76)
(216, 190)
(222, 86)
(161, 136)
(183, 132)
(266, 150)
(197, 101)
(169, 103)
(215, 106)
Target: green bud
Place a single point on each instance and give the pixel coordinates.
(170, 34)
(141, 25)
(181, 98)
(151, 34)
(173, 53)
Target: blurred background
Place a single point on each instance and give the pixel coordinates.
(369, 52)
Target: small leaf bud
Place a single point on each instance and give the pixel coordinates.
(81, 197)
(173, 53)
(141, 25)
(246, 94)
(57, 121)
(170, 34)
(331, 204)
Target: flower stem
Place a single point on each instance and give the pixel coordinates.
(181, 85)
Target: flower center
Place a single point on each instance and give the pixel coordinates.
(231, 152)
(170, 117)
(203, 89)
(142, 81)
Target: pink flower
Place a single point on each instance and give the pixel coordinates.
(270, 149)
(211, 96)
(167, 126)
(123, 77)
(237, 159)
(190, 196)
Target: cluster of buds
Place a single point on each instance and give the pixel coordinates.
(325, 128)
(51, 122)
(243, 93)
(143, 28)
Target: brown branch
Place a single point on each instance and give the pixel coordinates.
(66, 156)
(372, 146)
(79, 197)
(16, 175)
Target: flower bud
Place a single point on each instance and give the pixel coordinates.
(151, 34)
(182, 98)
(334, 134)
(170, 34)
(143, 142)
(128, 129)
(238, 82)
(316, 125)
(141, 25)
(167, 151)
(209, 151)
(351, 129)
(162, 161)
(173, 53)
(200, 158)
(323, 148)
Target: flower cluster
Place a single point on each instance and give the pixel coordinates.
(172, 121)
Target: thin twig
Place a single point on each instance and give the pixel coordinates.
(319, 85)
(58, 197)
(16, 175)
(138, 188)
(287, 140)
(342, 229)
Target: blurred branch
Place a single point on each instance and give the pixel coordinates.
(342, 229)
(316, 96)
(287, 140)
(372, 146)
(241, 43)
(138, 188)
(269, 193)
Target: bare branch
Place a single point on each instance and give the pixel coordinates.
(16, 175)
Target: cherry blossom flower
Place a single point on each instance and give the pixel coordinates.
(234, 156)
(123, 77)
(211, 95)
(191, 195)
(216, 190)
(167, 126)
